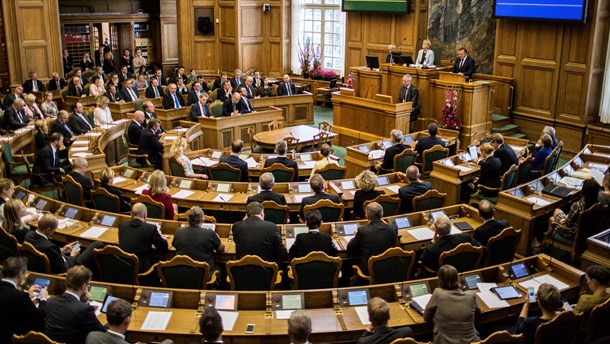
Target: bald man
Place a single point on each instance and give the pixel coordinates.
(416, 187)
(136, 127)
(232, 106)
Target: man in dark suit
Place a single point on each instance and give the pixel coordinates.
(129, 93)
(149, 113)
(79, 122)
(464, 64)
(313, 240)
(317, 185)
(210, 325)
(154, 90)
(249, 86)
(257, 79)
(197, 242)
(204, 85)
(408, 93)
(236, 80)
(505, 153)
(112, 94)
(118, 315)
(246, 106)
(159, 76)
(149, 144)
(124, 75)
(137, 237)
(235, 161)
(15, 117)
(428, 142)
(379, 332)
(69, 318)
(374, 238)
(200, 108)
(136, 127)
(416, 187)
(47, 160)
(79, 167)
(266, 182)
(225, 91)
(232, 106)
(33, 84)
(443, 241)
(10, 98)
(56, 83)
(397, 148)
(286, 88)
(280, 149)
(194, 93)
(60, 125)
(61, 259)
(76, 88)
(18, 314)
(258, 237)
(172, 100)
(178, 75)
(100, 73)
(114, 80)
(490, 227)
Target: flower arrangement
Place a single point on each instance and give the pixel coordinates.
(450, 119)
(305, 54)
(322, 74)
(317, 58)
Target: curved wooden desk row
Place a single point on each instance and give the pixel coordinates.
(523, 205)
(17, 140)
(333, 319)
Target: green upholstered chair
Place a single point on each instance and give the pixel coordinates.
(501, 248)
(65, 93)
(523, 171)
(432, 199)
(156, 210)
(9, 247)
(37, 261)
(437, 55)
(253, 273)
(225, 172)
(116, 266)
(316, 270)
(431, 155)
(17, 171)
(176, 167)
(332, 172)
(105, 201)
(331, 212)
(139, 104)
(216, 109)
(403, 160)
(87, 75)
(464, 257)
(389, 204)
(74, 191)
(139, 161)
(276, 213)
(392, 266)
(214, 95)
(281, 173)
(183, 272)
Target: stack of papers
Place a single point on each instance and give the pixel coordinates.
(537, 281)
(290, 242)
(82, 154)
(363, 314)
(65, 222)
(307, 164)
(393, 188)
(376, 154)
(299, 198)
(180, 130)
(80, 142)
(93, 134)
(420, 302)
(422, 233)
(117, 180)
(170, 138)
(201, 161)
(156, 321)
(94, 232)
(572, 182)
(222, 197)
(463, 168)
(228, 319)
(80, 149)
(348, 238)
(183, 194)
(283, 314)
(455, 230)
(492, 300)
(537, 200)
(138, 190)
(252, 163)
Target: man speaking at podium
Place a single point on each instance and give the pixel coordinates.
(464, 64)
(409, 93)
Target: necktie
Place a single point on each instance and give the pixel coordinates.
(288, 89)
(238, 81)
(54, 158)
(201, 109)
(78, 91)
(247, 104)
(20, 117)
(462, 63)
(58, 85)
(34, 86)
(407, 93)
(156, 92)
(132, 94)
(112, 97)
(176, 103)
(249, 91)
(86, 121)
(68, 129)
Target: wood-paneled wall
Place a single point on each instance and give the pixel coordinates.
(168, 25)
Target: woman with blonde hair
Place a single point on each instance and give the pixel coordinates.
(42, 131)
(366, 182)
(106, 178)
(177, 151)
(108, 65)
(425, 56)
(158, 192)
(15, 218)
(7, 188)
(97, 86)
(49, 107)
(31, 108)
(102, 115)
(325, 151)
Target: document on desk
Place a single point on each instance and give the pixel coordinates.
(80, 142)
(183, 194)
(423, 233)
(551, 280)
(283, 314)
(348, 238)
(140, 189)
(601, 167)
(307, 164)
(538, 201)
(455, 230)
(117, 180)
(200, 161)
(363, 314)
(80, 149)
(222, 197)
(82, 154)
(463, 168)
(252, 163)
(94, 232)
(483, 287)
(156, 321)
(93, 134)
(299, 198)
(492, 300)
(228, 319)
(376, 154)
(393, 188)
(170, 138)
(290, 242)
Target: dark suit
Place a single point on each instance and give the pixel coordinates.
(45, 162)
(192, 97)
(282, 89)
(432, 252)
(491, 228)
(237, 162)
(14, 120)
(384, 335)
(246, 106)
(249, 91)
(134, 131)
(41, 140)
(150, 92)
(237, 82)
(74, 91)
(467, 68)
(128, 97)
(84, 182)
(28, 86)
(79, 125)
(161, 80)
(372, 239)
(18, 315)
(313, 199)
(228, 107)
(490, 173)
(64, 129)
(286, 162)
(410, 94)
(59, 263)
(507, 157)
(267, 195)
(127, 62)
(408, 192)
(113, 97)
(390, 153)
(53, 84)
(124, 201)
(258, 237)
(223, 94)
(8, 100)
(69, 320)
(427, 143)
(196, 111)
(312, 241)
(360, 197)
(137, 237)
(168, 101)
(197, 243)
(149, 144)
(122, 77)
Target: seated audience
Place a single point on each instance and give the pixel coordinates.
(129, 93)
(33, 84)
(11, 97)
(366, 182)
(452, 310)
(47, 161)
(299, 327)
(280, 149)
(79, 121)
(266, 182)
(504, 152)
(149, 144)
(540, 156)
(588, 198)
(597, 278)
(118, 315)
(219, 81)
(177, 151)
(265, 89)
(317, 186)
(428, 142)
(397, 148)
(31, 108)
(325, 151)
(159, 76)
(232, 105)
(79, 167)
(547, 130)
(158, 192)
(549, 301)
(313, 240)
(257, 79)
(141, 83)
(225, 91)
(286, 87)
(443, 241)
(138, 237)
(17, 218)
(69, 317)
(235, 161)
(210, 325)
(57, 83)
(237, 80)
(258, 237)
(197, 242)
(124, 74)
(61, 126)
(7, 189)
(604, 195)
(154, 90)
(18, 313)
(249, 87)
(136, 127)
(97, 86)
(108, 63)
(173, 100)
(246, 106)
(490, 175)
(112, 94)
(490, 227)
(378, 331)
(49, 107)
(86, 62)
(106, 178)
(416, 187)
(200, 108)
(194, 93)
(76, 88)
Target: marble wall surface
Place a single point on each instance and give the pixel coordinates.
(463, 23)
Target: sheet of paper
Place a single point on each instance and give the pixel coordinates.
(156, 321)
(537, 200)
(307, 164)
(336, 244)
(283, 314)
(180, 130)
(601, 167)
(290, 242)
(222, 198)
(138, 190)
(228, 319)
(423, 233)
(94, 232)
(532, 283)
(80, 142)
(348, 238)
(455, 230)
(64, 223)
(393, 188)
(82, 154)
(376, 154)
(484, 287)
(170, 138)
(492, 300)
(97, 306)
(422, 300)
(183, 194)
(252, 163)
(117, 180)
(363, 314)
(552, 280)
(201, 161)
(571, 182)
(93, 134)
(80, 149)
(216, 155)
(299, 198)
(463, 168)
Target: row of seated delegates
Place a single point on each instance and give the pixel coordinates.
(281, 147)
(173, 100)
(325, 151)
(313, 240)
(489, 175)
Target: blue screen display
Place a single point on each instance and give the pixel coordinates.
(542, 9)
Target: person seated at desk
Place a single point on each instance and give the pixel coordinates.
(257, 79)
(138, 237)
(149, 144)
(181, 88)
(11, 97)
(325, 151)
(154, 90)
(177, 151)
(232, 106)
(299, 327)
(313, 240)
(372, 239)
(588, 198)
(159, 76)
(129, 93)
(366, 182)
(7, 189)
(425, 56)
(225, 91)
(210, 325)
(317, 185)
(416, 187)
(17, 218)
(246, 107)
(443, 241)
(158, 192)
(57, 83)
(541, 156)
(201, 244)
(235, 161)
(15, 116)
(464, 64)
(287, 87)
(266, 182)
(79, 167)
(79, 121)
(112, 94)
(379, 332)
(136, 127)
(549, 301)
(597, 278)
(118, 315)
(47, 160)
(31, 108)
(249, 87)
(490, 172)
(280, 149)
(149, 113)
(408, 93)
(33, 84)
(97, 86)
(76, 88)
(604, 195)
(236, 80)
(42, 130)
(258, 237)
(106, 178)
(490, 227)
(114, 81)
(173, 100)
(428, 142)
(389, 58)
(49, 107)
(504, 152)
(194, 93)
(142, 83)
(548, 130)
(200, 108)
(452, 310)
(264, 90)
(396, 148)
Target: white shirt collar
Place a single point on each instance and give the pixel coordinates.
(122, 336)
(9, 281)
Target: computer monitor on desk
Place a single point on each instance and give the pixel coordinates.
(372, 62)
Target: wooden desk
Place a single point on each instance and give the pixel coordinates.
(171, 118)
(21, 139)
(305, 134)
(119, 110)
(297, 109)
(86, 101)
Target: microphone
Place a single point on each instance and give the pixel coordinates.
(401, 42)
(360, 133)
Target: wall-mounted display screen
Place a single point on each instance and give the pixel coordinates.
(571, 10)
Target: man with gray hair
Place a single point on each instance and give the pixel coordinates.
(416, 187)
(15, 117)
(135, 127)
(79, 167)
(317, 185)
(443, 241)
(118, 315)
(408, 93)
(505, 153)
(266, 182)
(299, 327)
(281, 147)
(397, 147)
(197, 242)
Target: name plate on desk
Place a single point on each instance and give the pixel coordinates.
(400, 222)
(183, 183)
(300, 188)
(220, 187)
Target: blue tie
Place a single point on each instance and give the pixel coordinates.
(176, 103)
(69, 130)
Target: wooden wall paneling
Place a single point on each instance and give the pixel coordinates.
(252, 26)
(168, 22)
(107, 6)
(227, 34)
(285, 51)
